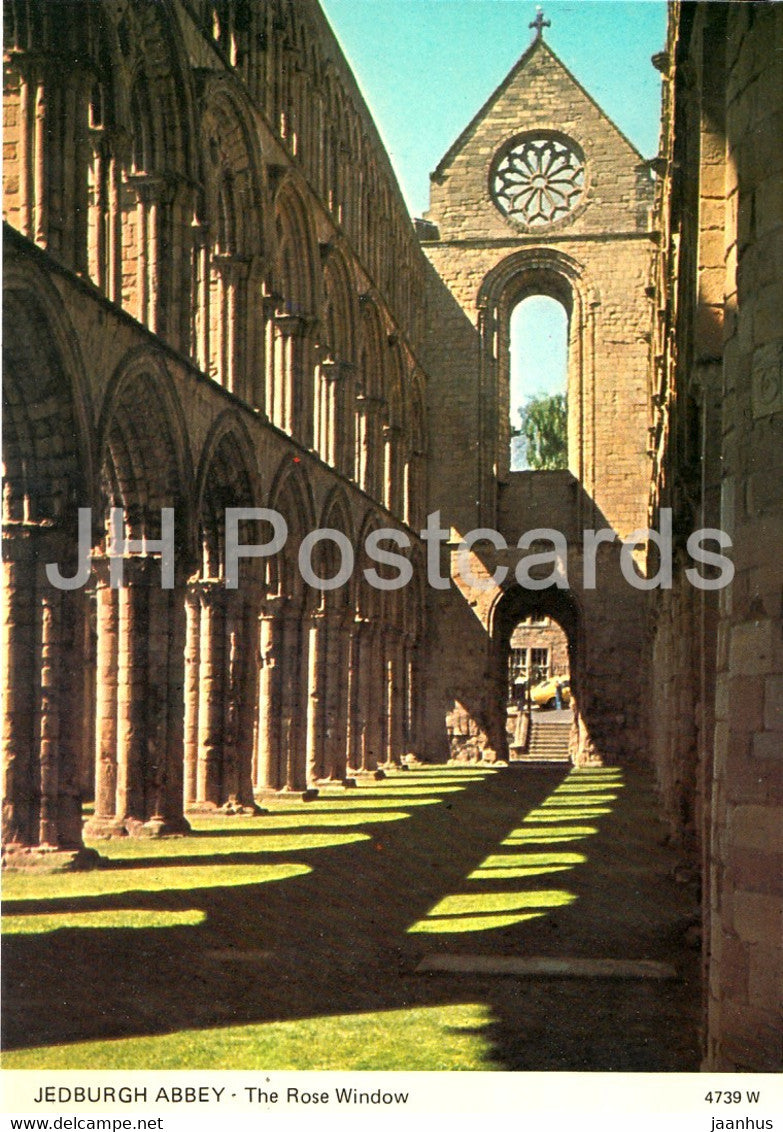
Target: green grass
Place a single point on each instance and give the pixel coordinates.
(244, 937)
(424, 1038)
(18, 886)
(138, 918)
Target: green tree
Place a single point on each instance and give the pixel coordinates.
(544, 424)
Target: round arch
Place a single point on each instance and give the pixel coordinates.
(43, 367)
(512, 605)
(227, 477)
(291, 496)
(144, 463)
(525, 273)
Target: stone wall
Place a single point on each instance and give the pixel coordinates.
(717, 737)
(595, 261)
(213, 298)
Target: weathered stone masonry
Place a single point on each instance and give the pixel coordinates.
(594, 261)
(213, 297)
(202, 311)
(716, 710)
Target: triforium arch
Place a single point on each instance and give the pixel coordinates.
(532, 271)
(105, 163)
(47, 462)
(393, 426)
(414, 503)
(229, 243)
(513, 604)
(221, 646)
(296, 301)
(143, 468)
(370, 392)
(335, 374)
(280, 762)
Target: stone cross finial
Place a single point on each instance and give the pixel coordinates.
(539, 23)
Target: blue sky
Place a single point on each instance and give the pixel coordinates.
(426, 66)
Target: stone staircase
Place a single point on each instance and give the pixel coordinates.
(548, 743)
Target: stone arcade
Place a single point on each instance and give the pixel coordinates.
(214, 297)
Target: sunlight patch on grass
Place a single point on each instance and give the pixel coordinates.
(131, 848)
(122, 918)
(498, 860)
(470, 903)
(319, 817)
(542, 815)
(448, 925)
(431, 1038)
(478, 912)
(104, 882)
(581, 800)
(548, 834)
(483, 911)
(511, 865)
(387, 789)
(355, 800)
(484, 873)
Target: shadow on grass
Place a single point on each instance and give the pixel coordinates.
(335, 941)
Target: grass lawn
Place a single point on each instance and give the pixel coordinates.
(290, 940)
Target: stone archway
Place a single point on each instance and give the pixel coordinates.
(515, 603)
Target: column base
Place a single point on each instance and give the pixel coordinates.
(377, 774)
(289, 795)
(48, 859)
(348, 782)
(227, 809)
(103, 829)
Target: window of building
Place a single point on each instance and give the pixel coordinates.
(538, 382)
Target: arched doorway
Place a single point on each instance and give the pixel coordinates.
(517, 605)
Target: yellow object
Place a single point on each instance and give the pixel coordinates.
(545, 693)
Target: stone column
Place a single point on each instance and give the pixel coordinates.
(168, 792)
(212, 660)
(19, 677)
(72, 713)
(228, 321)
(294, 679)
(270, 763)
(141, 645)
(104, 821)
(368, 442)
(292, 409)
(151, 243)
(43, 708)
(374, 698)
(224, 653)
(338, 694)
(192, 671)
(47, 776)
(349, 632)
(243, 697)
(316, 685)
(200, 279)
(390, 488)
(358, 703)
(334, 435)
(394, 693)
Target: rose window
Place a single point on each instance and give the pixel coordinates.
(539, 180)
